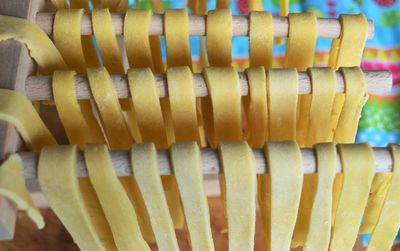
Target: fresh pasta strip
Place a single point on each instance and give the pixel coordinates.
(12, 186)
(222, 107)
(80, 4)
(319, 231)
(67, 38)
(358, 170)
(146, 102)
(117, 207)
(40, 46)
(257, 107)
(376, 200)
(286, 170)
(106, 41)
(104, 94)
(136, 36)
(355, 99)
(323, 83)
(177, 38)
(282, 87)
(59, 183)
(219, 37)
(238, 165)
(60, 4)
(256, 5)
(146, 172)
(223, 4)
(182, 98)
(17, 110)
(76, 125)
(386, 229)
(261, 39)
(186, 162)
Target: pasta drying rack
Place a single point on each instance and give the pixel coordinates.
(17, 72)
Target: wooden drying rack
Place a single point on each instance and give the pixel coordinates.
(17, 70)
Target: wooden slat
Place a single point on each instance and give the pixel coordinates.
(15, 67)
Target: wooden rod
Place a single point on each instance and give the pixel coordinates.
(210, 162)
(39, 87)
(326, 27)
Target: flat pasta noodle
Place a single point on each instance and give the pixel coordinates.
(17, 110)
(256, 5)
(388, 224)
(13, 187)
(319, 232)
(186, 162)
(60, 4)
(286, 170)
(41, 48)
(104, 94)
(80, 4)
(358, 170)
(219, 37)
(238, 165)
(117, 207)
(282, 87)
(256, 107)
(107, 43)
(67, 38)
(136, 30)
(59, 183)
(78, 128)
(261, 39)
(182, 99)
(146, 172)
(176, 26)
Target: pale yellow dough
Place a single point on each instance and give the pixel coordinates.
(286, 170)
(12, 186)
(388, 224)
(17, 110)
(117, 207)
(238, 166)
(319, 232)
(41, 48)
(219, 37)
(187, 166)
(261, 39)
(59, 183)
(147, 175)
(358, 170)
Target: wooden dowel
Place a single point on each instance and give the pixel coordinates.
(326, 27)
(39, 87)
(210, 162)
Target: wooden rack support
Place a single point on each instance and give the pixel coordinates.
(39, 87)
(326, 27)
(210, 162)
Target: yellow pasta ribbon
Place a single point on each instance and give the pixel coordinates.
(146, 172)
(40, 46)
(282, 87)
(80, 4)
(106, 41)
(136, 30)
(117, 207)
(239, 170)
(222, 107)
(219, 37)
(256, 106)
(186, 162)
(59, 183)
(319, 232)
(76, 125)
(386, 229)
(182, 98)
(12, 186)
(286, 170)
(358, 170)
(261, 39)
(60, 4)
(176, 25)
(256, 5)
(67, 38)
(17, 110)
(109, 108)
